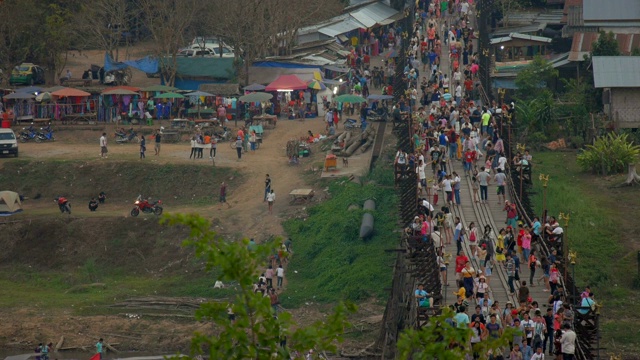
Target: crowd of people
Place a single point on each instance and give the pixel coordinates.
(450, 126)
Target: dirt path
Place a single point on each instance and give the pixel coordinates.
(248, 212)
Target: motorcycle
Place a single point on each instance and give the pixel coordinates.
(45, 134)
(350, 124)
(146, 207)
(63, 204)
(123, 137)
(222, 136)
(28, 134)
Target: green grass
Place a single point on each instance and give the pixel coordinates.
(60, 291)
(601, 231)
(331, 261)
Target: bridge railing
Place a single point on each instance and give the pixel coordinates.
(585, 325)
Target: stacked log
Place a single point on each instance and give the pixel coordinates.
(353, 142)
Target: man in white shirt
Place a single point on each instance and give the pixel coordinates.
(568, 341)
(502, 161)
(103, 144)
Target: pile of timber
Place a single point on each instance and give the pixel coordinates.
(350, 141)
(162, 303)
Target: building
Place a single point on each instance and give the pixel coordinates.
(619, 77)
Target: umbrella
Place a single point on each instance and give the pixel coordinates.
(45, 96)
(379, 97)
(316, 85)
(169, 95)
(159, 88)
(390, 54)
(55, 88)
(255, 87)
(119, 92)
(20, 95)
(125, 87)
(256, 97)
(69, 92)
(348, 98)
(199, 93)
(30, 89)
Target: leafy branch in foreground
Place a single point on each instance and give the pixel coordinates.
(439, 339)
(247, 327)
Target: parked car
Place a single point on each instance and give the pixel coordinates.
(27, 74)
(195, 52)
(215, 49)
(8, 142)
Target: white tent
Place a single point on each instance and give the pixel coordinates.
(9, 203)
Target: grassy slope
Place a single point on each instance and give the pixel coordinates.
(601, 231)
(45, 259)
(332, 263)
(182, 184)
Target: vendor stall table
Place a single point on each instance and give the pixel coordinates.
(270, 120)
(301, 196)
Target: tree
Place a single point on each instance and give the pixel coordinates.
(17, 31)
(103, 23)
(170, 25)
(57, 39)
(536, 75)
(606, 45)
(257, 332)
(440, 340)
(273, 28)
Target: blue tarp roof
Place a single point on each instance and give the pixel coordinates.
(147, 64)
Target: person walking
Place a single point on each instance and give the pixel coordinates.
(143, 146)
(214, 147)
(501, 180)
(568, 342)
(158, 140)
(456, 187)
(280, 275)
(100, 347)
(103, 145)
(223, 195)
(511, 273)
(239, 147)
(267, 186)
(252, 141)
(483, 179)
(271, 197)
(194, 151)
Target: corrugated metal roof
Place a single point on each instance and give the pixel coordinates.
(552, 17)
(343, 27)
(583, 42)
(520, 37)
(373, 14)
(364, 19)
(519, 29)
(616, 71)
(611, 10)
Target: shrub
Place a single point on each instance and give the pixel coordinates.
(609, 155)
(536, 140)
(577, 141)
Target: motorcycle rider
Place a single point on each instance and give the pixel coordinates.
(93, 204)
(63, 204)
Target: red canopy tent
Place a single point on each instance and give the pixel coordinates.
(287, 83)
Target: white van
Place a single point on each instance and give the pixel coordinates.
(8, 142)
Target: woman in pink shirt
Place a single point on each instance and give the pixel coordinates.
(424, 230)
(526, 243)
